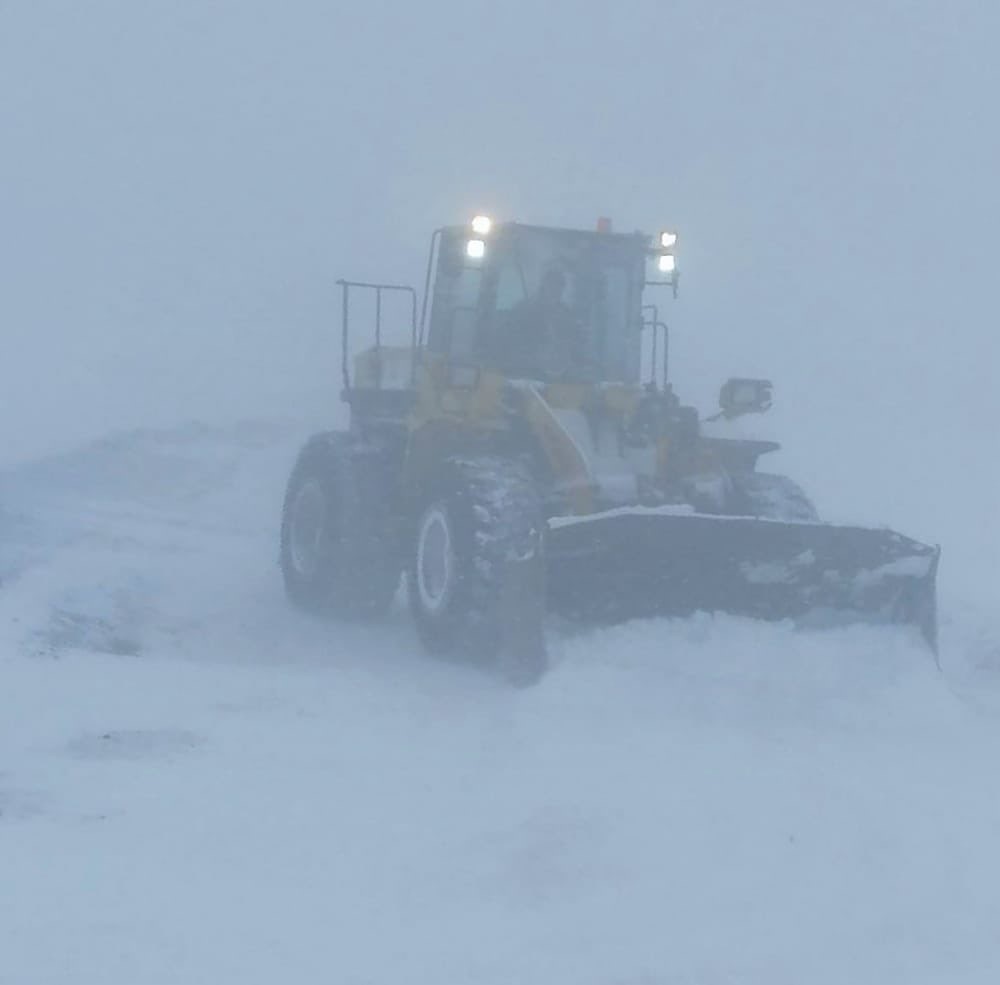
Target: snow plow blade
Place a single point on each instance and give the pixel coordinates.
(636, 563)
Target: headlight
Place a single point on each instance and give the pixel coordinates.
(481, 225)
(667, 263)
(475, 249)
(667, 240)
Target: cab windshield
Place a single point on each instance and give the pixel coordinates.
(563, 306)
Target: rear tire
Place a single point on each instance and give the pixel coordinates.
(338, 549)
(475, 576)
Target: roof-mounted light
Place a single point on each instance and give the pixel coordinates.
(481, 225)
(668, 240)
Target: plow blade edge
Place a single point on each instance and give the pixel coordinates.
(631, 564)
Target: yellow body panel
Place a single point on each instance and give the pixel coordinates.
(462, 405)
(564, 457)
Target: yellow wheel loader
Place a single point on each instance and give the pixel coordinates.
(525, 451)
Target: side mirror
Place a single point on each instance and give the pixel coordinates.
(739, 396)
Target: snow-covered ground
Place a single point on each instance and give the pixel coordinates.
(199, 784)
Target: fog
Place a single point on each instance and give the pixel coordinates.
(262, 795)
(181, 184)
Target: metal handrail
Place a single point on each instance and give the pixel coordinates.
(656, 324)
(346, 286)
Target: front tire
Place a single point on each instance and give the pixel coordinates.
(475, 576)
(338, 550)
(771, 497)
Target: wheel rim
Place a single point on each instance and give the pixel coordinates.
(435, 560)
(307, 528)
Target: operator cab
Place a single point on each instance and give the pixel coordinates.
(538, 303)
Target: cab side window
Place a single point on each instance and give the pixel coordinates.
(454, 322)
(510, 288)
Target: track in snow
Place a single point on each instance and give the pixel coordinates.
(200, 784)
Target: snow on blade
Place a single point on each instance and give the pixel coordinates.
(771, 573)
(682, 509)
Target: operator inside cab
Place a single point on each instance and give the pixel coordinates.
(542, 335)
